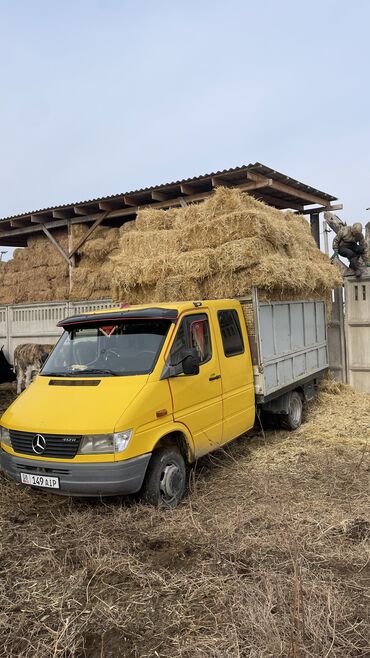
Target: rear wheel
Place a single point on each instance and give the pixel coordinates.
(293, 419)
(165, 480)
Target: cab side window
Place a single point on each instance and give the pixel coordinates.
(193, 332)
(231, 332)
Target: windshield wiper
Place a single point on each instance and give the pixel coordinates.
(81, 373)
(96, 371)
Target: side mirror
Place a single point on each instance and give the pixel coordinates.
(190, 363)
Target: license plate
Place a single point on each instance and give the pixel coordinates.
(40, 480)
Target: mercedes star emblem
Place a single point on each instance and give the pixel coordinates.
(38, 444)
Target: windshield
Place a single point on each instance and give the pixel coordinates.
(127, 347)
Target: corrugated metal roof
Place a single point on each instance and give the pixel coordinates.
(228, 174)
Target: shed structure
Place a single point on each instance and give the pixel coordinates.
(266, 184)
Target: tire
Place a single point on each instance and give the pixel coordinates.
(165, 480)
(293, 419)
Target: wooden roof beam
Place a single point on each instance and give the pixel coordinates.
(288, 189)
(106, 205)
(19, 223)
(130, 200)
(40, 219)
(92, 228)
(278, 202)
(250, 187)
(84, 210)
(329, 208)
(159, 196)
(62, 213)
(220, 182)
(55, 243)
(187, 189)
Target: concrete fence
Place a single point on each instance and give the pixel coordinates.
(36, 323)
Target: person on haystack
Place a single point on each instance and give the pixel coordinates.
(350, 243)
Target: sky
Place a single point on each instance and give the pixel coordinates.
(102, 97)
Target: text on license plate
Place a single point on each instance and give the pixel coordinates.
(40, 480)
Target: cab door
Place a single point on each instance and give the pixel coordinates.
(237, 372)
(197, 399)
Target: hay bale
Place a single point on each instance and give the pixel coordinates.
(128, 226)
(177, 288)
(101, 244)
(147, 244)
(149, 271)
(239, 254)
(152, 219)
(89, 284)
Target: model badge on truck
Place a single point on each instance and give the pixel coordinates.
(38, 444)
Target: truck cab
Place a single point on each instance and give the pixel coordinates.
(130, 396)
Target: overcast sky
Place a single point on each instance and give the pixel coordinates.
(105, 96)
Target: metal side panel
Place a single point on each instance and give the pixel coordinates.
(292, 342)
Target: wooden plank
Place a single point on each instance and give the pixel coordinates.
(92, 228)
(220, 182)
(183, 202)
(158, 196)
(249, 187)
(80, 210)
(278, 202)
(129, 200)
(105, 205)
(287, 189)
(315, 227)
(62, 214)
(309, 211)
(55, 243)
(18, 223)
(187, 189)
(41, 218)
(17, 241)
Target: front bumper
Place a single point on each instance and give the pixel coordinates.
(76, 479)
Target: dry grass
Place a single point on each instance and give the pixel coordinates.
(267, 557)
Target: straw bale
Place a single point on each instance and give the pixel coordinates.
(239, 254)
(224, 200)
(154, 219)
(133, 295)
(128, 226)
(88, 283)
(177, 287)
(145, 244)
(101, 243)
(148, 271)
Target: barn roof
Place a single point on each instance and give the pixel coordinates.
(269, 185)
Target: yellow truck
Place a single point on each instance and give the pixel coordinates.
(129, 397)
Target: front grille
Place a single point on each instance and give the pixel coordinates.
(57, 445)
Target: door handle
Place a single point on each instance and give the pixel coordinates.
(214, 377)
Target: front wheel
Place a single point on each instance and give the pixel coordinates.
(293, 419)
(165, 480)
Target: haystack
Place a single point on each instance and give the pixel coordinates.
(220, 248)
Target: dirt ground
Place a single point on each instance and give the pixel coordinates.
(267, 556)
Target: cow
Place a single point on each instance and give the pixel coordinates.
(27, 362)
(6, 371)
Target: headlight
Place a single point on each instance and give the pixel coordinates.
(104, 443)
(4, 436)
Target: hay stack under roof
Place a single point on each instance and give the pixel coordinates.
(220, 248)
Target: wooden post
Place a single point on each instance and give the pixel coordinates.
(326, 237)
(315, 227)
(72, 260)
